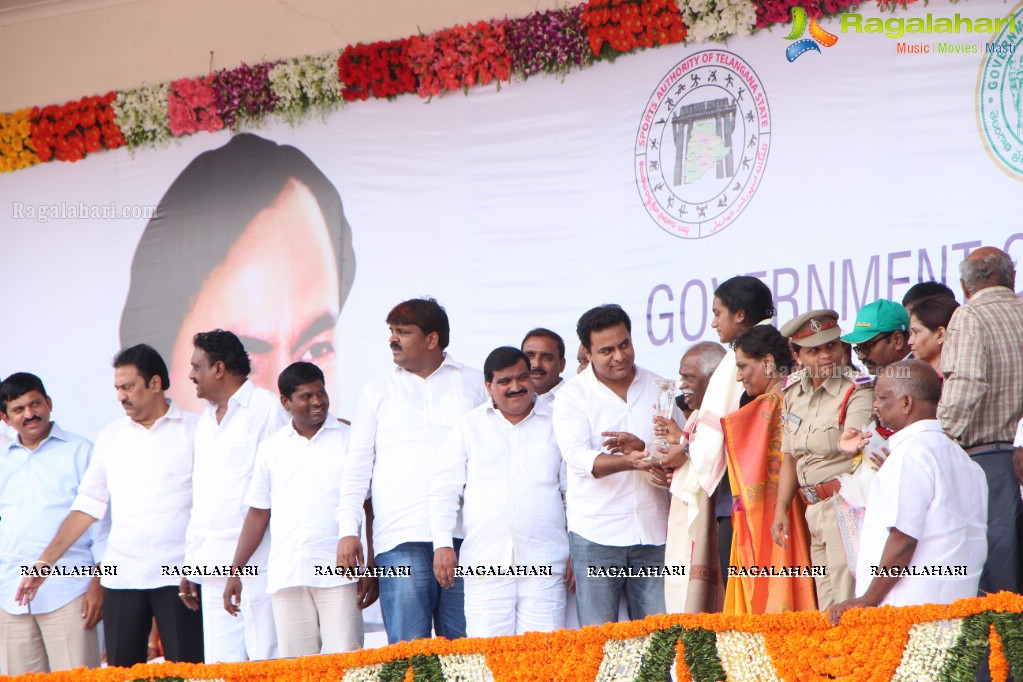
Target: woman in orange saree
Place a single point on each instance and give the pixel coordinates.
(765, 578)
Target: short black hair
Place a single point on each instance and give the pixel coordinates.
(762, 340)
(224, 346)
(502, 358)
(600, 318)
(201, 216)
(426, 314)
(147, 361)
(922, 290)
(547, 334)
(17, 385)
(296, 374)
(749, 295)
(934, 311)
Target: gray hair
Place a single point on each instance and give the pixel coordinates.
(995, 270)
(710, 355)
(914, 378)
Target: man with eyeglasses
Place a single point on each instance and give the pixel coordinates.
(881, 335)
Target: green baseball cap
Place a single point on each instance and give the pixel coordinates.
(878, 317)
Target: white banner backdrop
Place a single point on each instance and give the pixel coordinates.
(844, 176)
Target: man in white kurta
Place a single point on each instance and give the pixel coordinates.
(238, 416)
(924, 537)
(502, 468)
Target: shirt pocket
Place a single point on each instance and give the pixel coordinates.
(542, 462)
(822, 438)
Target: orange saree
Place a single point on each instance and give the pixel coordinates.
(753, 448)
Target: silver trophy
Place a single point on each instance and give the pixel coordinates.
(664, 407)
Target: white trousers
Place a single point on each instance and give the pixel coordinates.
(249, 636)
(512, 605)
(47, 642)
(317, 620)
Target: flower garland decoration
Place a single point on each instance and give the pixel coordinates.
(244, 94)
(617, 26)
(379, 70)
(717, 19)
(142, 115)
(190, 106)
(306, 84)
(70, 131)
(553, 42)
(16, 148)
(778, 11)
(459, 58)
(933, 642)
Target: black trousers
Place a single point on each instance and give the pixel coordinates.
(1003, 568)
(128, 618)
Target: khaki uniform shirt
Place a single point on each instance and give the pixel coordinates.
(811, 431)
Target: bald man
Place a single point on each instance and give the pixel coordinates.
(924, 533)
(982, 400)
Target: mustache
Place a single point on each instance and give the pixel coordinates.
(538, 370)
(33, 419)
(515, 394)
(395, 345)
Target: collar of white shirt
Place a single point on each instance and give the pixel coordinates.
(331, 423)
(539, 408)
(446, 362)
(911, 430)
(241, 397)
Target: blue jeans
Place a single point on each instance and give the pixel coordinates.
(597, 597)
(415, 606)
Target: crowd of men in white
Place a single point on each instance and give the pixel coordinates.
(464, 500)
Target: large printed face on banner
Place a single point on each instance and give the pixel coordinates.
(249, 238)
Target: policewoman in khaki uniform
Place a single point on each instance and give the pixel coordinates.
(822, 398)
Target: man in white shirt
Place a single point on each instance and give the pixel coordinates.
(40, 472)
(546, 352)
(501, 467)
(238, 416)
(398, 423)
(294, 491)
(603, 419)
(141, 471)
(924, 537)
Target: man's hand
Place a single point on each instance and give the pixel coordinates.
(622, 442)
(1017, 464)
(852, 441)
(659, 475)
(780, 527)
(27, 588)
(368, 590)
(444, 561)
(349, 553)
(92, 604)
(671, 431)
(570, 576)
(189, 593)
(879, 460)
(233, 595)
(836, 610)
(676, 456)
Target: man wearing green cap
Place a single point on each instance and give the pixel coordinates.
(881, 334)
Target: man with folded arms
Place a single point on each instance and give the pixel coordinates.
(141, 470)
(502, 468)
(399, 422)
(603, 420)
(238, 416)
(40, 472)
(927, 508)
(294, 491)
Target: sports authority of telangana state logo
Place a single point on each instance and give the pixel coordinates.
(1000, 96)
(702, 144)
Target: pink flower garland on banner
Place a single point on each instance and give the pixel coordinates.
(190, 106)
(459, 58)
(244, 93)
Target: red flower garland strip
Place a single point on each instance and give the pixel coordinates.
(376, 70)
(68, 132)
(190, 106)
(778, 11)
(244, 93)
(624, 25)
(460, 57)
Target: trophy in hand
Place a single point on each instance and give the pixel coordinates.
(664, 407)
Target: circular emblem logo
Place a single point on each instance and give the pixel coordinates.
(702, 144)
(1000, 96)
(815, 326)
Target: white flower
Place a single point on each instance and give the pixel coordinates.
(306, 85)
(142, 115)
(717, 19)
(927, 650)
(466, 668)
(364, 673)
(622, 659)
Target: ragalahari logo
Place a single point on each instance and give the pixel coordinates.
(817, 36)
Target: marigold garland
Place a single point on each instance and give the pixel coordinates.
(997, 664)
(16, 148)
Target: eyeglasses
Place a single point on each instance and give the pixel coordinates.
(863, 349)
